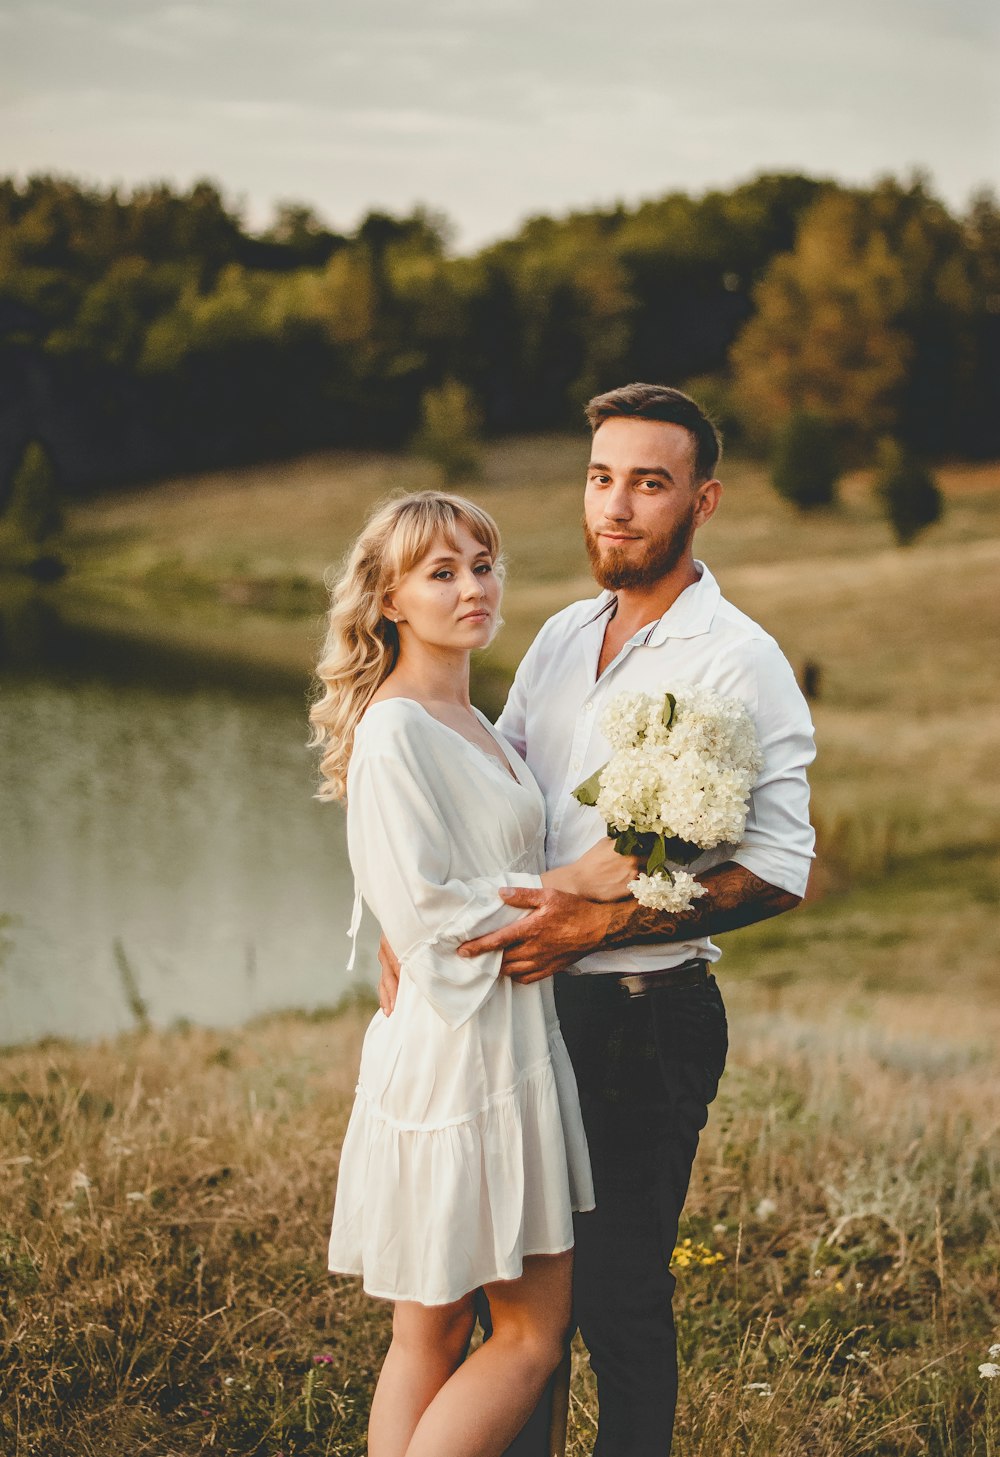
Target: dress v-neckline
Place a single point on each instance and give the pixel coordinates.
(510, 772)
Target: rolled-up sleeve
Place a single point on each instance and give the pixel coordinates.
(401, 852)
(779, 842)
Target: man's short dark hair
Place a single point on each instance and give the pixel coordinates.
(673, 407)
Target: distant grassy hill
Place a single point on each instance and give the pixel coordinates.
(233, 563)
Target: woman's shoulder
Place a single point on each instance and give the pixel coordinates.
(393, 725)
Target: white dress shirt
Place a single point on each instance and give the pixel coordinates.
(552, 717)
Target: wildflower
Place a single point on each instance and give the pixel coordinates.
(766, 1208)
(687, 1253)
(994, 1351)
(80, 1181)
(323, 1359)
(718, 1229)
(229, 1381)
(762, 1388)
(989, 1370)
(135, 1196)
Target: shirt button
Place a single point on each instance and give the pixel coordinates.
(588, 707)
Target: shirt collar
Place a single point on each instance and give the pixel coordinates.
(689, 616)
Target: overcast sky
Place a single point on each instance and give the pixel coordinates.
(494, 109)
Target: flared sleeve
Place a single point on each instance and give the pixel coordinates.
(403, 795)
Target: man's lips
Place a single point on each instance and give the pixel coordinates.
(617, 536)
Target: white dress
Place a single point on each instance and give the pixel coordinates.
(465, 1149)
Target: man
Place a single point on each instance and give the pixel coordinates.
(642, 1017)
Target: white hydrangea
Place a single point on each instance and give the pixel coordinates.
(683, 766)
(624, 721)
(675, 891)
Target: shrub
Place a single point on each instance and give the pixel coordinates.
(804, 465)
(33, 513)
(907, 490)
(449, 431)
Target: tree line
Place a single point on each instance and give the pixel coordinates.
(151, 332)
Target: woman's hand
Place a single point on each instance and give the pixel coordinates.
(599, 875)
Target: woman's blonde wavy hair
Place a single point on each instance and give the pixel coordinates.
(362, 645)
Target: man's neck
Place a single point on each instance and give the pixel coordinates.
(639, 606)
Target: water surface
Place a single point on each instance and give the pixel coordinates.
(161, 854)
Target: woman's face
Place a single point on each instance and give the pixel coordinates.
(451, 598)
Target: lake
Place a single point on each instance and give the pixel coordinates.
(161, 855)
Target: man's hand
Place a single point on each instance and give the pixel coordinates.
(559, 930)
(389, 980)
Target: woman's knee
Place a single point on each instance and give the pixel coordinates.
(444, 1330)
(539, 1347)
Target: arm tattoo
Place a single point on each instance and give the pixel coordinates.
(736, 897)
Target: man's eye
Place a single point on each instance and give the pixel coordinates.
(653, 485)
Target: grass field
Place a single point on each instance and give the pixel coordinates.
(166, 1197)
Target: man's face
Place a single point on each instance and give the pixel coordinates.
(641, 504)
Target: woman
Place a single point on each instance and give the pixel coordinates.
(465, 1153)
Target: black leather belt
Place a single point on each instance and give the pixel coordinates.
(692, 973)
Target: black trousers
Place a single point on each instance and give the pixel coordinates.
(647, 1069)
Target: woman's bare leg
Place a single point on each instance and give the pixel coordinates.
(428, 1343)
(482, 1407)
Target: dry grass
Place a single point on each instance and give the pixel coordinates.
(166, 1197)
(166, 1203)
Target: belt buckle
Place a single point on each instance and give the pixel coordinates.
(641, 983)
(634, 984)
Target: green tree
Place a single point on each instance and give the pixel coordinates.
(826, 338)
(449, 431)
(804, 465)
(909, 494)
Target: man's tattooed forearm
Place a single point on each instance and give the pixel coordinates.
(736, 897)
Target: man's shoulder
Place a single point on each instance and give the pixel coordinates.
(738, 644)
(730, 622)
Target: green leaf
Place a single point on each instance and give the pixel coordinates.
(657, 856)
(627, 843)
(669, 709)
(588, 791)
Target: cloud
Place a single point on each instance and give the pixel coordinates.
(495, 108)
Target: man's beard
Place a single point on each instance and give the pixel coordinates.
(615, 569)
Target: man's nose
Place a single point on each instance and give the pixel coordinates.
(618, 504)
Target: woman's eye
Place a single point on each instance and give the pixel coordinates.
(484, 567)
(442, 575)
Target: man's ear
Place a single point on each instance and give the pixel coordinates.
(709, 495)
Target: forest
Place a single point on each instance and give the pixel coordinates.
(151, 333)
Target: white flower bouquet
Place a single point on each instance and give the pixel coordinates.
(678, 783)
